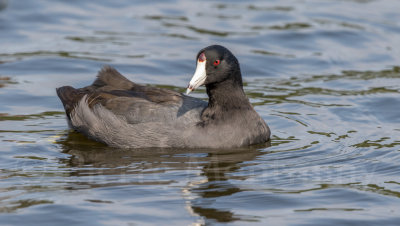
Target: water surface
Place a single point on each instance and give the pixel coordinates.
(325, 75)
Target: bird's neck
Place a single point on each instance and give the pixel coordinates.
(227, 96)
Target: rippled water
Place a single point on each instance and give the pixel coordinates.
(325, 75)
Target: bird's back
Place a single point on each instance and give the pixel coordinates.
(121, 113)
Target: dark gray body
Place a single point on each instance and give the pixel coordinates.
(121, 113)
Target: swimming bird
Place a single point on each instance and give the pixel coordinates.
(120, 113)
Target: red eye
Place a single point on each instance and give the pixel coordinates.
(217, 62)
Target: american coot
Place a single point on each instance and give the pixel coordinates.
(121, 113)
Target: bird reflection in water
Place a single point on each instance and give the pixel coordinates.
(208, 172)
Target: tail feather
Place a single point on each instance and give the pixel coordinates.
(69, 97)
(108, 76)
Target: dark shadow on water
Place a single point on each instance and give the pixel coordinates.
(3, 4)
(216, 166)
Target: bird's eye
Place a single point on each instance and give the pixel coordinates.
(217, 62)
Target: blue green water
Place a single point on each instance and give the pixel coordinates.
(325, 75)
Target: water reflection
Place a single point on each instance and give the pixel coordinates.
(4, 80)
(22, 203)
(347, 83)
(148, 166)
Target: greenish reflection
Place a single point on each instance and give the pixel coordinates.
(273, 92)
(7, 117)
(165, 17)
(70, 54)
(30, 157)
(21, 204)
(377, 144)
(264, 52)
(352, 186)
(273, 8)
(208, 31)
(287, 26)
(329, 209)
(5, 80)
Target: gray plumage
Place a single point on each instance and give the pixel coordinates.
(121, 113)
